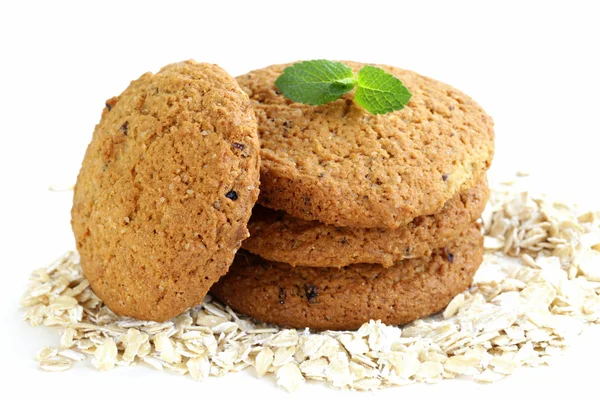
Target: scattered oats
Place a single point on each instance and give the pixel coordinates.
(55, 364)
(105, 355)
(463, 365)
(182, 350)
(589, 264)
(289, 377)
(329, 348)
(515, 334)
(164, 346)
(180, 368)
(45, 353)
(338, 370)
(367, 384)
(504, 365)
(216, 310)
(358, 371)
(153, 362)
(492, 243)
(264, 361)
(430, 371)
(406, 365)
(454, 306)
(66, 340)
(225, 327)
(484, 338)
(35, 315)
(133, 341)
(283, 355)
(434, 356)
(145, 349)
(263, 330)
(77, 290)
(354, 345)
(489, 376)
(72, 355)
(392, 380)
(199, 367)
(85, 345)
(285, 338)
(311, 346)
(314, 368)
(528, 260)
(41, 290)
(62, 303)
(537, 289)
(365, 359)
(226, 358)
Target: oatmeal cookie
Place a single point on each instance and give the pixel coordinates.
(166, 189)
(277, 236)
(345, 298)
(339, 164)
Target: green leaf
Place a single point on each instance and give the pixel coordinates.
(379, 92)
(316, 82)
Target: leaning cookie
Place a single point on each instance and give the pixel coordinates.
(277, 236)
(165, 191)
(332, 298)
(339, 164)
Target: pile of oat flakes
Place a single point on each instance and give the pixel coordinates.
(538, 287)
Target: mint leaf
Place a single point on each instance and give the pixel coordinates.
(316, 82)
(379, 92)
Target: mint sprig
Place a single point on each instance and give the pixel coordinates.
(318, 82)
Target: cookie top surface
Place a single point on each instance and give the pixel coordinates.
(166, 189)
(341, 165)
(277, 236)
(332, 298)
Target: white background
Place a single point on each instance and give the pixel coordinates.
(532, 65)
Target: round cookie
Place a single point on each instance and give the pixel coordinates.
(166, 189)
(343, 166)
(332, 298)
(277, 236)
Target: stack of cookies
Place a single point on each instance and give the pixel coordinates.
(361, 216)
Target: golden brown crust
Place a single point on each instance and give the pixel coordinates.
(277, 236)
(338, 164)
(331, 298)
(165, 190)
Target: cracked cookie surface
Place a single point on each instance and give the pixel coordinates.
(338, 164)
(345, 298)
(165, 190)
